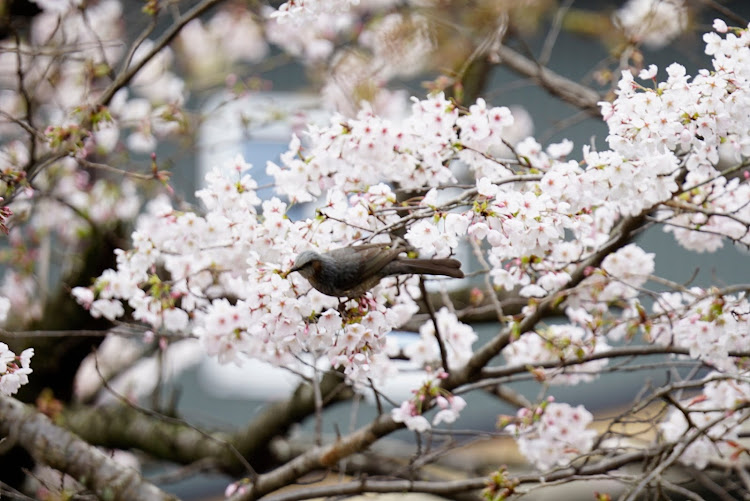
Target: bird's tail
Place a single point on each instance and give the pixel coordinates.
(448, 267)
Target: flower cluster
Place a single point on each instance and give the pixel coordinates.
(715, 417)
(697, 124)
(411, 411)
(654, 23)
(559, 343)
(299, 11)
(14, 369)
(241, 248)
(456, 336)
(373, 147)
(66, 205)
(230, 36)
(709, 325)
(619, 279)
(354, 153)
(312, 41)
(552, 434)
(67, 60)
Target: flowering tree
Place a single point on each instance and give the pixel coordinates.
(549, 229)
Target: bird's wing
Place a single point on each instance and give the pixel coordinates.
(376, 256)
(373, 257)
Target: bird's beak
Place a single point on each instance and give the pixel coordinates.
(290, 270)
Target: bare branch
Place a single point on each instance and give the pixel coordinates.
(568, 90)
(126, 75)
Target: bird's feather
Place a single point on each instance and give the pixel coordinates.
(372, 257)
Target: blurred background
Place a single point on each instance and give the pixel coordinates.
(282, 91)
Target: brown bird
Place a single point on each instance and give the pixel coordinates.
(352, 271)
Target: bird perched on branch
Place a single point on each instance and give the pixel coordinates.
(352, 271)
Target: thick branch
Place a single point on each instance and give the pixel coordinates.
(177, 441)
(119, 426)
(62, 450)
(277, 418)
(321, 457)
(568, 90)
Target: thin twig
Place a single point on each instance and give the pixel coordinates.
(130, 70)
(554, 31)
(172, 420)
(438, 336)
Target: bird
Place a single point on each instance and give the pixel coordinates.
(352, 271)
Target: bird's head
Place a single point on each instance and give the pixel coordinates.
(305, 263)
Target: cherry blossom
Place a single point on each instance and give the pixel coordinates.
(652, 22)
(410, 412)
(231, 35)
(720, 26)
(298, 11)
(450, 409)
(717, 433)
(457, 337)
(708, 326)
(559, 342)
(553, 434)
(14, 369)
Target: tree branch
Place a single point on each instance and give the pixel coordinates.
(568, 90)
(62, 450)
(321, 457)
(483, 355)
(174, 29)
(175, 440)
(452, 487)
